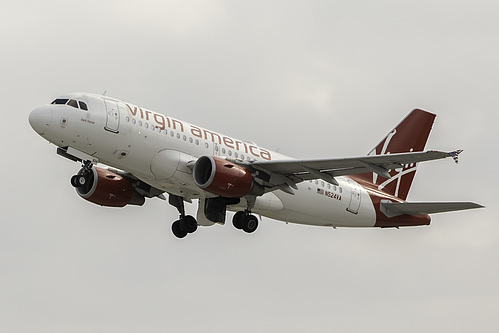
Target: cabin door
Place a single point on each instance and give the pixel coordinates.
(113, 116)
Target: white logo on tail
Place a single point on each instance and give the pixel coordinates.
(398, 178)
(398, 174)
(383, 150)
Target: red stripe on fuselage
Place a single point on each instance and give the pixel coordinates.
(382, 220)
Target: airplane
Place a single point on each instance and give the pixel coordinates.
(146, 154)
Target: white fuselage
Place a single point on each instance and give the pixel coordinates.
(157, 149)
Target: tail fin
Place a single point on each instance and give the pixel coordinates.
(410, 135)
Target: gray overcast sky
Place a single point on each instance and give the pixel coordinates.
(313, 78)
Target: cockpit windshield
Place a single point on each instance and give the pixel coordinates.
(71, 102)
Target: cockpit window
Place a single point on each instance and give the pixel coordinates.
(60, 101)
(73, 103)
(83, 106)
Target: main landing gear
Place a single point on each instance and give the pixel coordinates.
(245, 221)
(187, 224)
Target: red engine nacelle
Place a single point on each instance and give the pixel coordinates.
(105, 188)
(219, 176)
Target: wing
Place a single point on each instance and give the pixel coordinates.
(286, 173)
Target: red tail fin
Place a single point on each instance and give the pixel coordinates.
(409, 135)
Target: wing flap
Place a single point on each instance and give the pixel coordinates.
(392, 209)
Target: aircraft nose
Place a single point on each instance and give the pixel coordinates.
(40, 119)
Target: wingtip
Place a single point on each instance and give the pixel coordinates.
(455, 155)
(474, 205)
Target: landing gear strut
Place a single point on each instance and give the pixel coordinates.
(186, 224)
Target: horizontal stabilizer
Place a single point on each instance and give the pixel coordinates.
(392, 209)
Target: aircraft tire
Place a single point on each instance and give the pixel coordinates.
(249, 223)
(74, 181)
(177, 230)
(237, 219)
(189, 224)
(78, 180)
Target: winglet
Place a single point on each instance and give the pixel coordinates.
(455, 155)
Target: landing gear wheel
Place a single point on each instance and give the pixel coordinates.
(189, 224)
(78, 180)
(73, 181)
(249, 223)
(237, 220)
(177, 230)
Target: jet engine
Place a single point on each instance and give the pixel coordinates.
(105, 188)
(219, 176)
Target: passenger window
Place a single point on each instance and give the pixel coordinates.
(133, 121)
(73, 103)
(178, 135)
(127, 119)
(322, 184)
(223, 151)
(140, 123)
(83, 106)
(197, 142)
(207, 145)
(184, 138)
(146, 125)
(190, 140)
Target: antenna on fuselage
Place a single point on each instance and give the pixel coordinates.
(104, 93)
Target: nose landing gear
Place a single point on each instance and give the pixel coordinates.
(78, 180)
(82, 178)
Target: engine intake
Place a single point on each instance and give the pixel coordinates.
(107, 188)
(219, 176)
